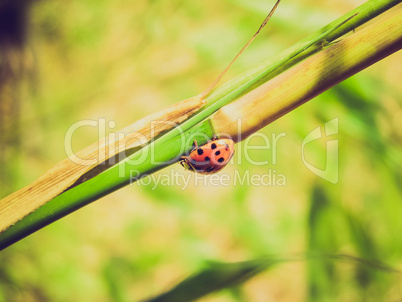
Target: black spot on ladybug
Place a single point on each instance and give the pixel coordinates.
(207, 158)
(217, 153)
(213, 146)
(210, 169)
(221, 160)
(200, 151)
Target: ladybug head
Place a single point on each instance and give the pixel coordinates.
(185, 164)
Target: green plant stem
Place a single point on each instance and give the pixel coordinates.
(291, 56)
(167, 148)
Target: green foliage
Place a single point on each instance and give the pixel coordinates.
(217, 276)
(140, 241)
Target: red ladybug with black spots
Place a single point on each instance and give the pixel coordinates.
(209, 158)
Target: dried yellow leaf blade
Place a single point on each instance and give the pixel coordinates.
(311, 77)
(90, 161)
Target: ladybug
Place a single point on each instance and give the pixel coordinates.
(209, 158)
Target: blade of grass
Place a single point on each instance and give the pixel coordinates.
(216, 276)
(311, 77)
(93, 160)
(329, 33)
(171, 145)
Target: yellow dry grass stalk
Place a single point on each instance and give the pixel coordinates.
(311, 77)
(90, 161)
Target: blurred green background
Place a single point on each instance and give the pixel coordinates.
(121, 60)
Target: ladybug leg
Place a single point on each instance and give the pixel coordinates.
(215, 137)
(195, 144)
